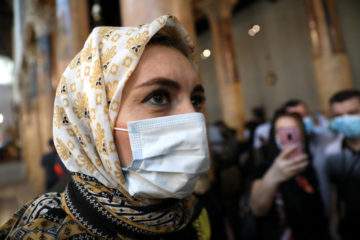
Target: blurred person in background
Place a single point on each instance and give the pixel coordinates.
(285, 195)
(262, 128)
(249, 132)
(320, 136)
(259, 115)
(312, 125)
(129, 127)
(316, 124)
(228, 175)
(258, 119)
(343, 163)
(224, 144)
(261, 135)
(216, 138)
(54, 170)
(247, 165)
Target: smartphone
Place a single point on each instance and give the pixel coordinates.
(289, 137)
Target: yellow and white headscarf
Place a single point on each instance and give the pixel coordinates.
(88, 97)
(95, 204)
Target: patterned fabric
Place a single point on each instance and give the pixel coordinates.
(42, 218)
(96, 204)
(78, 214)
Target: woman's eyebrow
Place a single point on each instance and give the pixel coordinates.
(199, 88)
(160, 81)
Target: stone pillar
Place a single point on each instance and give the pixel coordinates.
(72, 30)
(47, 52)
(331, 63)
(32, 140)
(144, 11)
(36, 89)
(219, 15)
(43, 74)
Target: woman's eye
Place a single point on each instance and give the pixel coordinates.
(198, 102)
(158, 98)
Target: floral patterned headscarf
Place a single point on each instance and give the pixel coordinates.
(88, 97)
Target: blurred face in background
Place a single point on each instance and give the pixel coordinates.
(300, 109)
(347, 107)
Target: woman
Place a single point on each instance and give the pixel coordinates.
(127, 125)
(285, 196)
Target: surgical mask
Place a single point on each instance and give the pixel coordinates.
(348, 125)
(169, 155)
(308, 124)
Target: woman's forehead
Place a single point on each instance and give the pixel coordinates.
(286, 121)
(166, 63)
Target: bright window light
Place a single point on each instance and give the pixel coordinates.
(6, 70)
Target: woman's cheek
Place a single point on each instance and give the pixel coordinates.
(123, 148)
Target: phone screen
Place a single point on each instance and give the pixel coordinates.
(289, 137)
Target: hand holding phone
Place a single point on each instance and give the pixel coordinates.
(290, 137)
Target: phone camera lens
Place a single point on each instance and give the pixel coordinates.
(290, 137)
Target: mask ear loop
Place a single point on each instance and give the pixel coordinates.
(121, 129)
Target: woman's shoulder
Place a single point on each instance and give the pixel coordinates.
(42, 218)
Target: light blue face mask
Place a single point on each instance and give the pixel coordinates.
(308, 124)
(348, 125)
(169, 155)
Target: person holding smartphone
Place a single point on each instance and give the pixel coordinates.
(284, 195)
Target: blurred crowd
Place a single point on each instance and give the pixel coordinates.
(294, 177)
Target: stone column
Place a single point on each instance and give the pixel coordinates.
(37, 97)
(219, 16)
(32, 139)
(331, 62)
(143, 11)
(47, 51)
(72, 30)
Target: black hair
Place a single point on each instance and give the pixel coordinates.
(344, 95)
(291, 103)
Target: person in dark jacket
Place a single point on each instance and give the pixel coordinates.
(285, 195)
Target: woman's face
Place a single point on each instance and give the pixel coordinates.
(285, 123)
(164, 83)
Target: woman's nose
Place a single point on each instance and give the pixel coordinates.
(184, 107)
